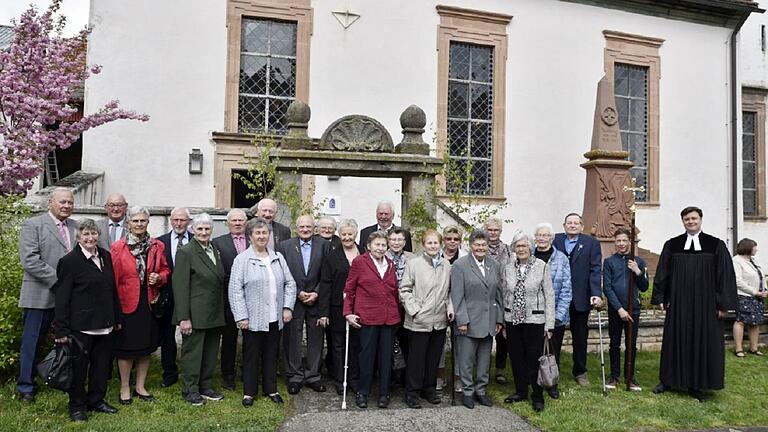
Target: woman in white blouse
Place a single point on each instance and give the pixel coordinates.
(750, 282)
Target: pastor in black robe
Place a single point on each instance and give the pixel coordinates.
(694, 286)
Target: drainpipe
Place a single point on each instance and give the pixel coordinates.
(735, 108)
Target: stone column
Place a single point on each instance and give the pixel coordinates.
(415, 189)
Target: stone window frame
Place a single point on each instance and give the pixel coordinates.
(480, 28)
(753, 100)
(298, 11)
(643, 51)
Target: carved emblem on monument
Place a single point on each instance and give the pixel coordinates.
(609, 116)
(357, 133)
(614, 202)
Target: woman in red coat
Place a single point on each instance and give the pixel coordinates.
(140, 272)
(371, 305)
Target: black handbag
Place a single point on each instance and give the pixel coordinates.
(163, 303)
(56, 367)
(398, 359)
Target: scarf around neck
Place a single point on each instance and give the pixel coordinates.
(518, 292)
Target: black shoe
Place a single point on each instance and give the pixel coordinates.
(194, 399)
(294, 388)
(554, 393)
(412, 402)
(361, 401)
(276, 398)
(28, 397)
(103, 407)
(514, 397)
(698, 395)
(383, 402)
(145, 398)
(484, 400)
(229, 384)
(433, 398)
(339, 388)
(78, 416)
(211, 395)
(538, 405)
(467, 401)
(125, 401)
(660, 388)
(169, 381)
(317, 386)
(247, 401)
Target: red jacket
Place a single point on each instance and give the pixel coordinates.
(373, 298)
(127, 278)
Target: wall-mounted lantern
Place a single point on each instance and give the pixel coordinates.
(196, 162)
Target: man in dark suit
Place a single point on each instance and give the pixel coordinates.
(586, 259)
(384, 216)
(266, 209)
(115, 226)
(43, 241)
(305, 256)
(177, 237)
(229, 246)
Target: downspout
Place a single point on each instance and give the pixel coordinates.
(735, 89)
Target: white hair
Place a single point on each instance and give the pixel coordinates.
(520, 236)
(202, 219)
(181, 209)
(493, 220)
(546, 226)
(348, 223)
(234, 211)
(134, 210)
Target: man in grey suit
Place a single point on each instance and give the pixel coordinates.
(266, 209)
(113, 227)
(305, 256)
(44, 240)
(476, 293)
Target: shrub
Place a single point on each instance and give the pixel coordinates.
(13, 211)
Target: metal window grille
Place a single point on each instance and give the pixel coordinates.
(630, 86)
(749, 162)
(267, 82)
(470, 118)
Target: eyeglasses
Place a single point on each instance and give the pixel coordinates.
(543, 235)
(452, 239)
(113, 205)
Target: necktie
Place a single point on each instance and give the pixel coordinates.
(239, 243)
(306, 250)
(180, 237)
(64, 234)
(112, 232)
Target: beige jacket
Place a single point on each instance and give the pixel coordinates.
(425, 294)
(747, 278)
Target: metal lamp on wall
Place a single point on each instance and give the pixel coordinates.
(196, 162)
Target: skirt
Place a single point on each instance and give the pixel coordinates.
(750, 310)
(140, 335)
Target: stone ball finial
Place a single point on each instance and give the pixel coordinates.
(413, 118)
(298, 112)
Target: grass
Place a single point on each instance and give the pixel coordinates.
(741, 403)
(168, 413)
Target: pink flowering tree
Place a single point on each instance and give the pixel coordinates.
(40, 76)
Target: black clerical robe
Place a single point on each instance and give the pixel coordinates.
(694, 285)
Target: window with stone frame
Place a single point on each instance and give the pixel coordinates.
(749, 162)
(630, 83)
(470, 117)
(267, 78)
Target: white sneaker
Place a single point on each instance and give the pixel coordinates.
(440, 384)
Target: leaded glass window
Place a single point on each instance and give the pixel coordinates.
(267, 75)
(630, 86)
(470, 117)
(749, 162)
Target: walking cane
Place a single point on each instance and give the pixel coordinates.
(346, 366)
(453, 366)
(602, 356)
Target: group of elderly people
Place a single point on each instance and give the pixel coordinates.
(374, 302)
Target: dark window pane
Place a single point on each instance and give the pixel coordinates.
(637, 115)
(480, 177)
(277, 119)
(620, 80)
(482, 64)
(622, 105)
(750, 202)
(482, 101)
(456, 181)
(639, 174)
(282, 77)
(282, 39)
(637, 81)
(457, 138)
(458, 61)
(480, 140)
(254, 36)
(748, 122)
(458, 100)
(749, 179)
(251, 114)
(625, 141)
(638, 150)
(748, 148)
(253, 74)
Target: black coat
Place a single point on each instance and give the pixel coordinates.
(86, 297)
(309, 281)
(333, 278)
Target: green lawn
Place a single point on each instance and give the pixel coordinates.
(168, 413)
(742, 403)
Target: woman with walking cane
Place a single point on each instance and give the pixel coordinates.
(333, 277)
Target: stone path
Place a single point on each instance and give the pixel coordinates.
(322, 412)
